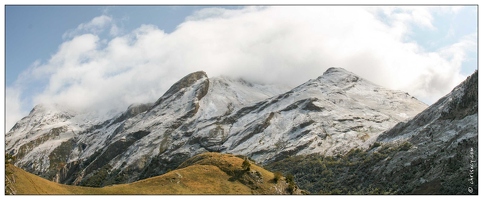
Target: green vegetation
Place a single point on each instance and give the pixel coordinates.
(375, 145)
(348, 174)
(246, 165)
(405, 146)
(97, 179)
(368, 172)
(277, 176)
(9, 159)
(291, 183)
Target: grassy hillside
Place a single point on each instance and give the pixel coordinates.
(209, 173)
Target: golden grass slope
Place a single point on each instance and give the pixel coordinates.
(208, 173)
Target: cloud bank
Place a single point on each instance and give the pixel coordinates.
(275, 45)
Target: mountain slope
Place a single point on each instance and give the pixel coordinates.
(444, 137)
(75, 152)
(36, 136)
(330, 115)
(433, 153)
(209, 173)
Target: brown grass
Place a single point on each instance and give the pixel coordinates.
(208, 173)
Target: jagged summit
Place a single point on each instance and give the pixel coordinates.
(337, 71)
(331, 70)
(185, 82)
(340, 76)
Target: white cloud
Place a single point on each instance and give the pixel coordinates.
(95, 26)
(14, 109)
(282, 45)
(114, 31)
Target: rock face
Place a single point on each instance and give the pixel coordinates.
(445, 143)
(36, 136)
(329, 115)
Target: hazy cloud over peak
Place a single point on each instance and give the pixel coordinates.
(277, 45)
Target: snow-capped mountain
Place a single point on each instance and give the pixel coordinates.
(436, 152)
(41, 132)
(329, 115)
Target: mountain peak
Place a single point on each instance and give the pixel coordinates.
(336, 70)
(339, 76)
(38, 108)
(186, 81)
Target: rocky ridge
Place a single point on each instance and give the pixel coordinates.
(434, 152)
(330, 115)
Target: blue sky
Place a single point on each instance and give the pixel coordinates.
(87, 57)
(37, 31)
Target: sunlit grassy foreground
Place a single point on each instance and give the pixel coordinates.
(208, 173)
